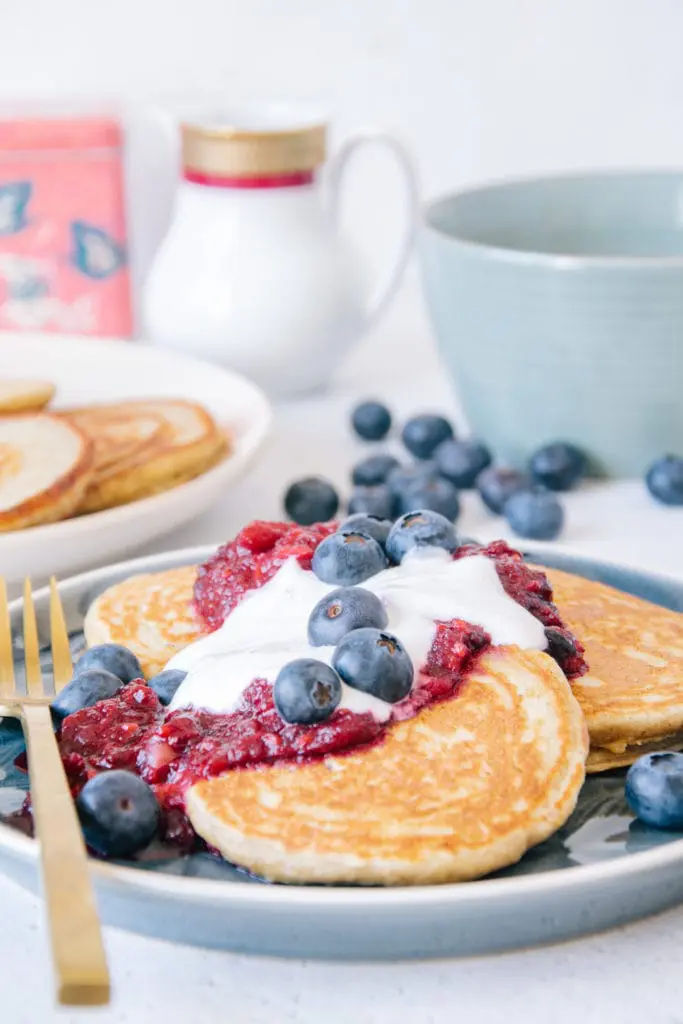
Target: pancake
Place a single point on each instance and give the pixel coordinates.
(120, 439)
(46, 465)
(632, 696)
(151, 615)
(25, 395)
(463, 789)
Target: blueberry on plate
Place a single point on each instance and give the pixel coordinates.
(112, 658)
(371, 420)
(376, 662)
(377, 526)
(461, 462)
(306, 691)
(437, 495)
(373, 470)
(422, 435)
(535, 513)
(420, 529)
(406, 476)
(498, 483)
(166, 683)
(654, 790)
(348, 558)
(377, 502)
(119, 813)
(664, 480)
(311, 500)
(85, 689)
(558, 466)
(342, 610)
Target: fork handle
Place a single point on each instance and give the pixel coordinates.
(75, 933)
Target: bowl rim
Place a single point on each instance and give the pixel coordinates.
(540, 257)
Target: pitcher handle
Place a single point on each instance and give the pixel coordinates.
(386, 287)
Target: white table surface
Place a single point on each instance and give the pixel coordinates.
(633, 974)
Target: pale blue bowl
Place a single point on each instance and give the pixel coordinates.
(558, 307)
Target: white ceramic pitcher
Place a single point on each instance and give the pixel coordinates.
(254, 273)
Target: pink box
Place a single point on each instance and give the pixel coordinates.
(63, 261)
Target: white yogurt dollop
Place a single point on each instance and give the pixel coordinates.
(270, 626)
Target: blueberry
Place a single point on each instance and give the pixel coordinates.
(536, 514)
(406, 476)
(371, 421)
(461, 462)
(654, 790)
(348, 558)
(498, 483)
(664, 480)
(422, 435)
(166, 683)
(343, 610)
(311, 500)
(437, 495)
(420, 529)
(558, 466)
(375, 662)
(119, 813)
(111, 658)
(372, 501)
(373, 470)
(560, 644)
(306, 691)
(376, 526)
(85, 689)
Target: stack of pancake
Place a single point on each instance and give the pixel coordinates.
(54, 465)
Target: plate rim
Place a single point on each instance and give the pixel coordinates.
(208, 891)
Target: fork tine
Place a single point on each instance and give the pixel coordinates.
(6, 659)
(34, 676)
(62, 664)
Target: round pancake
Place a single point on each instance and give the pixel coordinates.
(121, 440)
(632, 696)
(46, 465)
(461, 790)
(151, 615)
(25, 395)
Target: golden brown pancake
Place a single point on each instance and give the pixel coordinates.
(25, 395)
(462, 789)
(632, 696)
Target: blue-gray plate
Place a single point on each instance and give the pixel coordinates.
(602, 869)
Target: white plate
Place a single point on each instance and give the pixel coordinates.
(89, 370)
(601, 869)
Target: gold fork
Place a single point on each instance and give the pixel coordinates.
(75, 932)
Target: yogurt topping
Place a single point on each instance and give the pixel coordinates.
(268, 628)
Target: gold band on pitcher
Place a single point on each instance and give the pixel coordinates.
(235, 152)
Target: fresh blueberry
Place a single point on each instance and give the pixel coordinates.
(375, 525)
(306, 691)
(119, 813)
(371, 421)
(84, 690)
(461, 462)
(111, 658)
(373, 470)
(664, 480)
(376, 662)
(422, 435)
(372, 501)
(558, 466)
(437, 495)
(420, 529)
(345, 609)
(654, 790)
(348, 558)
(166, 683)
(560, 644)
(498, 483)
(406, 476)
(536, 514)
(311, 500)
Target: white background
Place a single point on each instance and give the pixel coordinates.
(479, 88)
